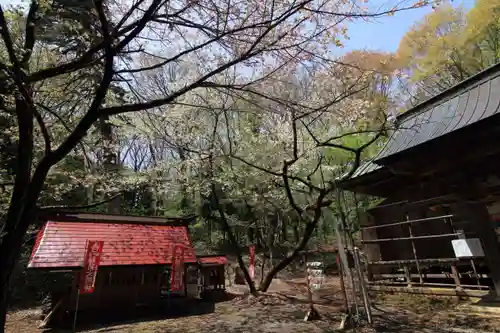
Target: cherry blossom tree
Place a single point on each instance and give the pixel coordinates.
(236, 45)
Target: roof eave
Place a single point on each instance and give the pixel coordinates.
(75, 216)
(483, 75)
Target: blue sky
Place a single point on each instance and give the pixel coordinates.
(384, 34)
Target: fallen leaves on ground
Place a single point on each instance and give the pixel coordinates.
(282, 310)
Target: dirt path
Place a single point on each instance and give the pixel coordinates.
(263, 314)
(282, 311)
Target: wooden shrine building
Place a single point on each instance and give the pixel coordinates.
(439, 175)
(213, 269)
(135, 263)
(212, 274)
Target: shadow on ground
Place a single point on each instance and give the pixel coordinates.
(444, 317)
(107, 320)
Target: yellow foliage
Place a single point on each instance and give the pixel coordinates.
(483, 29)
(449, 45)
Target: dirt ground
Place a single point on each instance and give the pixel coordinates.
(282, 310)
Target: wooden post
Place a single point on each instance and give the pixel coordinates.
(76, 308)
(413, 247)
(312, 314)
(456, 276)
(52, 313)
(475, 272)
(364, 291)
(345, 265)
(454, 270)
(407, 275)
(342, 284)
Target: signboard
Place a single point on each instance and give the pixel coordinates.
(251, 254)
(467, 248)
(314, 282)
(315, 276)
(93, 251)
(177, 276)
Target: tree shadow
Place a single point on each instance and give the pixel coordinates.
(388, 322)
(107, 320)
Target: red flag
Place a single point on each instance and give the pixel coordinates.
(93, 251)
(177, 276)
(251, 268)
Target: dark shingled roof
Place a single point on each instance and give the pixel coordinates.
(466, 103)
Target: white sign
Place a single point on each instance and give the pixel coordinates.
(315, 275)
(467, 248)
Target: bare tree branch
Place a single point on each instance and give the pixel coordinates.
(87, 206)
(9, 44)
(44, 130)
(29, 42)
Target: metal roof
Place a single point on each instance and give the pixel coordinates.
(366, 168)
(62, 244)
(464, 104)
(468, 102)
(70, 216)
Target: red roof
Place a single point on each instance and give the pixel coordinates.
(213, 260)
(62, 244)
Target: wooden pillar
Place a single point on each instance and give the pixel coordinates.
(407, 275)
(477, 215)
(456, 277)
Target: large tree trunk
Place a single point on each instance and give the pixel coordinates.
(11, 243)
(22, 204)
(21, 214)
(311, 226)
(3, 300)
(110, 160)
(233, 242)
(184, 204)
(10, 247)
(296, 233)
(284, 230)
(153, 205)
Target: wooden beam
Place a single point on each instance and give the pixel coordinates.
(431, 291)
(429, 284)
(428, 275)
(46, 321)
(114, 218)
(407, 222)
(410, 238)
(412, 261)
